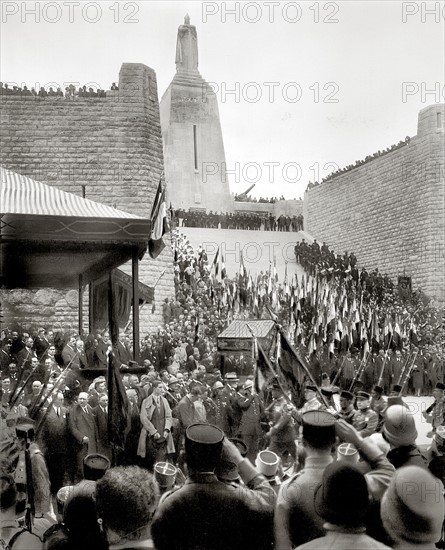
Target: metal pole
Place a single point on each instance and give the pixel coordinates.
(135, 280)
(80, 304)
(90, 308)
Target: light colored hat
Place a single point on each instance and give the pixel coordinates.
(217, 385)
(267, 463)
(248, 384)
(413, 507)
(165, 474)
(348, 453)
(399, 427)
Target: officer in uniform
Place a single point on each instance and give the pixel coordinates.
(230, 384)
(248, 512)
(282, 421)
(436, 412)
(250, 426)
(378, 403)
(222, 409)
(365, 420)
(347, 410)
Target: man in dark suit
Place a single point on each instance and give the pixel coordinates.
(41, 343)
(101, 419)
(25, 355)
(82, 427)
(5, 357)
(121, 354)
(54, 442)
(100, 358)
(69, 353)
(132, 441)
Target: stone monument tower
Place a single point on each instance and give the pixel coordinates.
(195, 164)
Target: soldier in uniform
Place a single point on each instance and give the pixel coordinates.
(250, 425)
(436, 412)
(382, 370)
(230, 384)
(311, 402)
(282, 420)
(347, 410)
(222, 411)
(365, 420)
(378, 403)
(396, 364)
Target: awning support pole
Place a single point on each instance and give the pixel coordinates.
(135, 281)
(80, 304)
(90, 309)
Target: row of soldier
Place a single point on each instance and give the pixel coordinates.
(238, 220)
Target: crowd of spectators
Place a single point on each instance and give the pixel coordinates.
(358, 163)
(238, 220)
(208, 462)
(69, 92)
(243, 197)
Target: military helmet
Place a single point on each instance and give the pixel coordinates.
(399, 427)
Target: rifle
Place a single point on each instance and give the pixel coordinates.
(408, 373)
(379, 381)
(30, 506)
(402, 373)
(16, 396)
(337, 376)
(360, 371)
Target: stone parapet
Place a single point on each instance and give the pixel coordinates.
(109, 148)
(390, 211)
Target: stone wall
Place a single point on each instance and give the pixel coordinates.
(390, 210)
(109, 147)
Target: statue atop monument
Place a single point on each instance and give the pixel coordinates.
(187, 47)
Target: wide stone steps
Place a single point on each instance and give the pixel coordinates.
(259, 248)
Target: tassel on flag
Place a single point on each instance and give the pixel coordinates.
(159, 223)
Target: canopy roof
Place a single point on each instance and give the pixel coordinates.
(50, 237)
(238, 328)
(238, 338)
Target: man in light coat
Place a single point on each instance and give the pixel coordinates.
(155, 441)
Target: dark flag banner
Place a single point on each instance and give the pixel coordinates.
(118, 405)
(196, 338)
(292, 370)
(159, 223)
(263, 370)
(118, 410)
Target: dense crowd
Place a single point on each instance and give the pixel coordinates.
(207, 444)
(237, 220)
(357, 163)
(69, 92)
(243, 197)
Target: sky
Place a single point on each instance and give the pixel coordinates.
(315, 85)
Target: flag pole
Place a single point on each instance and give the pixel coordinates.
(268, 363)
(302, 363)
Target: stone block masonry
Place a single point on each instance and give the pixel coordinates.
(390, 210)
(109, 147)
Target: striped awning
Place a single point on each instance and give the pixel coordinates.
(22, 195)
(49, 238)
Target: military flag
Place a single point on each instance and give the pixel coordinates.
(159, 223)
